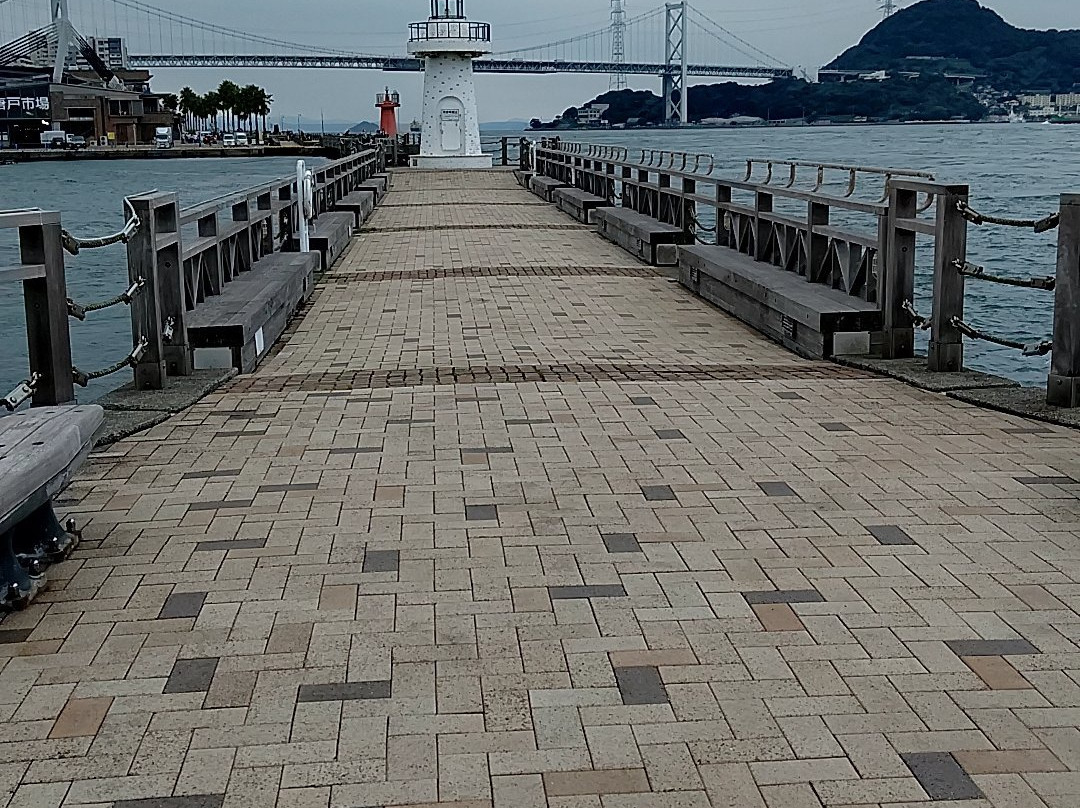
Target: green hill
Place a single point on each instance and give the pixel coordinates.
(962, 35)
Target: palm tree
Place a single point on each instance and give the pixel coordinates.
(189, 101)
(212, 106)
(228, 94)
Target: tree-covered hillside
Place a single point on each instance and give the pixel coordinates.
(965, 36)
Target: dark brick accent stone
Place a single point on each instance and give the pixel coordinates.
(1045, 480)
(890, 535)
(285, 489)
(670, 434)
(790, 396)
(382, 561)
(192, 675)
(784, 596)
(232, 504)
(182, 604)
(244, 433)
(641, 686)
(206, 475)
(777, 489)
(583, 592)
(941, 777)
(10, 636)
(349, 691)
(621, 543)
(235, 544)
(202, 801)
(643, 401)
(482, 513)
(836, 426)
(976, 648)
(658, 493)
(360, 450)
(528, 421)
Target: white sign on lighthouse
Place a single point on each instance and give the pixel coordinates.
(448, 43)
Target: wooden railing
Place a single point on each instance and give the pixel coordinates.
(506, 151)
(817, 221)
(177, 259)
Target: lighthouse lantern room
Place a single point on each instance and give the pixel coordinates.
(448, 42)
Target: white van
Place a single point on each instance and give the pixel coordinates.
(163, 137)
(228, 139)
(241, 139)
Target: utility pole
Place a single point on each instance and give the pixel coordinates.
(887, 8)
(618, 43)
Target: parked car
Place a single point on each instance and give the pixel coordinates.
(228, 139)
(163, 137)
(76, 142)
(242, 139)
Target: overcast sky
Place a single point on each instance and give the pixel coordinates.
(803, 33)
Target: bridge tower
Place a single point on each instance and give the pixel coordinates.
(389, 103)
(61, 19)
(618, 43)
(448, 42)
(676, 95)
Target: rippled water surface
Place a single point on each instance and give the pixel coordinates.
(1012, 170)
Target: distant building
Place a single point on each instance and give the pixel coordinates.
(592, 115)
(848, 76)
(112, 50)
(1043, 106)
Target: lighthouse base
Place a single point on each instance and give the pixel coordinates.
(450, 162)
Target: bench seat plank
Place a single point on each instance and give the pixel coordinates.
(543, 186)
(803, 316)
(639, 234)
(39, 451)
(578, 203)
(360, 203)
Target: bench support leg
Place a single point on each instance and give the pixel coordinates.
(18, 586)
(41, 539)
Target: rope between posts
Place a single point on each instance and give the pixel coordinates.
(1043, 225)
(131, 360)
(80, 310)
(1029, 349)
(975, 271)
(73, 244)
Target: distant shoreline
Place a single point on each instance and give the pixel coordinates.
(9, 156)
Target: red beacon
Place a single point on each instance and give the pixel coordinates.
(389, 103)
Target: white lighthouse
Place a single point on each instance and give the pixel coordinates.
(448, 43)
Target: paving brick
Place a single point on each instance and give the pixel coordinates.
(778, 617)
(584, 592)
(201, 801)
(941, 776)
(658, 493)
(784, 596)
(382, 561)
(191, 676)
(989, 648)
(182, 604)
(1008, 762)
(481, 513)
(613, 781)
(81, 717)
(641, 685)
(997, 673)
(233, 544)
(772, 489)
(891, 535)
(349, 691)
(621, 543)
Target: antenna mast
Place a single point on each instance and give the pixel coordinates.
(618, 43)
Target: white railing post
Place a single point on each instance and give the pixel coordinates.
(305, 205)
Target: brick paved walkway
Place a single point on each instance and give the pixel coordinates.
(486, 533)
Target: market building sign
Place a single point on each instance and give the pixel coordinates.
(24, 106)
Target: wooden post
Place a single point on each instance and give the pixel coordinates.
(723, 198)
(817, 245)
(688, 208)
(146, 320)
(763, 203)
(898, 278)
(48, 332)
(1063, 386)
(946, 354)
(506, 151)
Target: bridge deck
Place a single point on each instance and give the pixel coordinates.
(513, 521)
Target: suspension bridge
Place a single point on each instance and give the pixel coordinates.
(674, 41)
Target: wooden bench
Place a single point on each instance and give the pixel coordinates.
(641, 235)
(522, 176)
(543, 186)
(330, 235)
(360, 203)
(578, 203)
(237, 327)
(40, 450)
(804, 317)
(377, 184)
